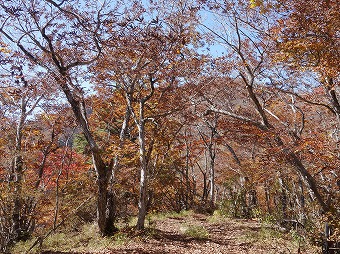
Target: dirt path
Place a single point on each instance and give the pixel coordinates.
(229, 236)
(170, 235)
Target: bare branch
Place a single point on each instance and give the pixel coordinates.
(306, 100)
(238, 117)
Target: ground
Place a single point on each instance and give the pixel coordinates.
(197, 233)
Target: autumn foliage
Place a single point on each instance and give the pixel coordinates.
(120, 110)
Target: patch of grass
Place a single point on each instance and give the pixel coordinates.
(120, 238)
(267, 238)
(197, 232)
(217, 217)
(58, 241)
(23, 246)
(157, 216)
(133, 221)
(268, 220)
(181, 214)
(87, 239)
(270, 238)
(186, 213)
(264, 234)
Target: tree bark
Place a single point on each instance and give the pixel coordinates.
(212, 155)
(295, 161)
(210, 145)
(103, 170)
(283, 198)
(268, 196)
(142, 203)
(187, 182)
(17, 175)
(144, 156)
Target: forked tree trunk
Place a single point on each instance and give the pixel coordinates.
(105, 205)
(144, 157)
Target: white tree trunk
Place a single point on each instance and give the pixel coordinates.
(142, 203)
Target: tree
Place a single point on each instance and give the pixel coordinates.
(307, 36)
(25, 138)
(20, 96)
(307, 40)
(249, 53)
(62, 40)
(148, 56)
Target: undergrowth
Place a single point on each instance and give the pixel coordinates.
(86, 239)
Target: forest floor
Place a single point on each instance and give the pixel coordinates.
(197, 233)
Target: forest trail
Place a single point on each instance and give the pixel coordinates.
(198, 233)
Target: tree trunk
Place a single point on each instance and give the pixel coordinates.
(55, 64)
(16, 215)
(268, 197)
(17, 174)
(301, 202)
(212, 177)
(105, 215)
(210, 145)
(283, 198)
(291, 156)
(142, 203)
(187, 182)
(295, 161)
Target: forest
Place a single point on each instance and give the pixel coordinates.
(118, 109)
